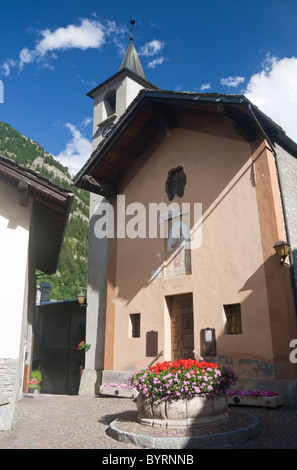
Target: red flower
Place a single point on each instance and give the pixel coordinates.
(182, 364)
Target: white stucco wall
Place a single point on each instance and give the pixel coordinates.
(14, 244)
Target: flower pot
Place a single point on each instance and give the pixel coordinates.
(33, 390)
(182, 412)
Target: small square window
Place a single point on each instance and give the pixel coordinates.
(135, 325)
(233, 316)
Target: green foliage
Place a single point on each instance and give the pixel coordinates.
(36, 374)
(71, 275)
(34, 386)
(23, 150)
(35, 380)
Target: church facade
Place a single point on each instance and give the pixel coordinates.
(190, 194)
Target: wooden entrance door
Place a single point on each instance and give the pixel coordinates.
(182, 326)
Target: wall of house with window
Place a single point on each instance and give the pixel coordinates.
(222, 287)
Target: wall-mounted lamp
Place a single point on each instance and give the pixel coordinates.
(82, 300)
(282, 248)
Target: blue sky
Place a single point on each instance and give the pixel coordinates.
(53, 53)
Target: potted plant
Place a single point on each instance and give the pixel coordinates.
(264, 398)
(182, 393)
(35, 381)
(118, 390)
(83, 345)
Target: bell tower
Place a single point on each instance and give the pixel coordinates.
(113, 96)
(111, 99)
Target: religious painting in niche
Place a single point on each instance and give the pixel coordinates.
(178, 249)
(176, 182)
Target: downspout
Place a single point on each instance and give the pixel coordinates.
(293, 282)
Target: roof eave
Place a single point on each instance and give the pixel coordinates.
(54, 203)
(160, 95)
(92, 94)
(109, 139)
(130, 112)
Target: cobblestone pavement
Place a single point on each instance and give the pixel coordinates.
(79, 422)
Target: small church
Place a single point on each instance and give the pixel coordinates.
(193, 234)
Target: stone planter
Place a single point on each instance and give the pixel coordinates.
(183, 412)
(268, 402)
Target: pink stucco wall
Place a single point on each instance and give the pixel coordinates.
(229, 267)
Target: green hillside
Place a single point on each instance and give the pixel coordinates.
(71, 276)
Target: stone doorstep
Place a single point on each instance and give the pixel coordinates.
(118, 392)
(268, 402)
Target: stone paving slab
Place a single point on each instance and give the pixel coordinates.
(81, 422)
(64, 422)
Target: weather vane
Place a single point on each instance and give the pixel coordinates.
(132, 23)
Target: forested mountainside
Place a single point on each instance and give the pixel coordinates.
(71, 276)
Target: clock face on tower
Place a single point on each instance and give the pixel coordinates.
(107, 130)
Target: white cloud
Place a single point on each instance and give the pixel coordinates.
(6, 67)
(232, 81)
(155, 62)
(26, 57)
(115, 33)
(274, 91)
(87, 34)
(87, 121)
(151, 48)
(205, 86)
(77, 151)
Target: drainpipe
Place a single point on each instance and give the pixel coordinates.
(293, 282)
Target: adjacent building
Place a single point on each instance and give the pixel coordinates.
(33, 218)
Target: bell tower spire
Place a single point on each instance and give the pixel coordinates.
(131, 60)
(112, 97)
